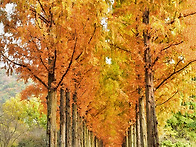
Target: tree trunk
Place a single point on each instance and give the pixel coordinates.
(138, 139)
(134, 135)
(80, 131)
(95, 141)
(91, 139)
(84, 134)
(51, 106)
(51, 118)
(88, 138)
(131, 136)
(143, 134)
(152, 135)
(127, 139)
(68, 120)
(62, 118)
(74, 120)
(155, 127)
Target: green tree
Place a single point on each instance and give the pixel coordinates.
(18, 117)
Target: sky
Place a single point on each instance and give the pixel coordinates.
(9, 8)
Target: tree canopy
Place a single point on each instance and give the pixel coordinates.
(126, 61)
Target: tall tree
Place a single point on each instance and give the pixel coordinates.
(42, 40)
(108, 113)
(154, 44)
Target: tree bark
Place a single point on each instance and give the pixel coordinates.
(127, 139)
(138, 139)
(131, 136)
(134, 135)
(143, 134)
(84, 134)
(95, 141)
(80, 131)
(74, 121)
(51, 118)
(91, 139)
(62, 118)
(51, 110)
(152, 133)
(88, 138)
(68, 120)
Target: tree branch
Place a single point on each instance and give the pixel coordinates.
(95, 27)
(177, 65)
(25, 66)
(69, 66)
(167, 99)
(181, 16)
(172, 74)
(120, 48)
(174, 44)
(42, 7)
(39, 54)
(40, 16)
(158, 56)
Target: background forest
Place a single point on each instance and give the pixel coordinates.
(98, 73)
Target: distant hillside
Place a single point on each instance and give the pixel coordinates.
(9, 86)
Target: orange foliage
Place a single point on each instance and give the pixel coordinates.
(69, 35)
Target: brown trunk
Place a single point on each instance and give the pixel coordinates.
(152, 133)
(127, 139)
(95, 141)
(51, 118)
(88, 138)
(62, 118)
(155, 128)
(51, 111)
(84, 134)
(68, 120)
(143, 134)
(74, 120)
(134, 135)
(91, 139)
(131, 136)
(138, 139)
(80, 131)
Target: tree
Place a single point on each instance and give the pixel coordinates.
(153, 42)
(109, 111)
(18, 117)
(42, 40)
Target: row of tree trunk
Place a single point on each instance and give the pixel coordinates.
(73, 129)
(136, 135)
(144, 133)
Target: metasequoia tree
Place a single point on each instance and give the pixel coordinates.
(151, 31)
(43, 40)
(109, 112)
(74, 131)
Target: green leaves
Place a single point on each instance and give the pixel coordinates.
(27, 111)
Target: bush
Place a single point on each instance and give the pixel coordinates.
(32, 142)
(168, 143)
